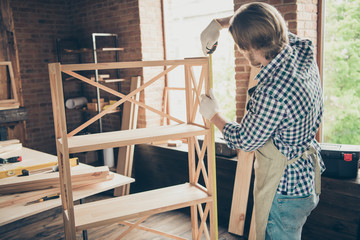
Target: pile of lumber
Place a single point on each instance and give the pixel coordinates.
(79, 177)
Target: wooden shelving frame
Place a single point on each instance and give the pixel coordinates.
(200, 199)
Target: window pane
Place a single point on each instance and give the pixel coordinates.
(342, 72)
(184, 22)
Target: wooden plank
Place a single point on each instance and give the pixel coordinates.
(49, 180)
(153, 231)
(138, 64)
(9, 142)
(25, 197)
(138, 205)
(126, 153)
(16, 147)
(241, 192)
(19, 210)
(4, 83)
(188, 93)
(88, 190)
(99, 141)
(197, 88)
(14, 100)
(76, 174)
(62, 150)
(242, 180)
(13, 115)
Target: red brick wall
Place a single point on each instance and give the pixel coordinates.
(39, 23)
(301, 17)
(110, 16)
(138, 24)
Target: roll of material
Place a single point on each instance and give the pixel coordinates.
(76, 102)
(109, 157)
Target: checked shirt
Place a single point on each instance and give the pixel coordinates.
(286, 106)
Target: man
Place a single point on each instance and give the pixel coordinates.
(284, 114)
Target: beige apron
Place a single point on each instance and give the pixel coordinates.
(269, 167)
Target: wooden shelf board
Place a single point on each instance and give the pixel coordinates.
(132, 206)
(17, 209)
(92, 142)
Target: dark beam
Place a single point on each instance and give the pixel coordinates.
(13, 115)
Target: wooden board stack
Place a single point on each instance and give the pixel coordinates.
(80, 177)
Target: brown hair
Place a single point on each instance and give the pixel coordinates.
(259, 26)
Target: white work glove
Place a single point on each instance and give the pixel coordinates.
(208, 105)
(210, 36)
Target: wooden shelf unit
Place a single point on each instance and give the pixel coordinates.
(200, 199)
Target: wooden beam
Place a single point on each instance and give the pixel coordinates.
(13, 115)
(153, 231)
(139, 64)
(241, 192)
(12, 102)
(126, 153)
(49, 180)
(242, 180)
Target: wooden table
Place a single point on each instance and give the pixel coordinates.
(12, 207)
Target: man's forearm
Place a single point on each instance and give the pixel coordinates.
(219, 121)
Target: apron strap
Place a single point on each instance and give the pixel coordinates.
(315, 158)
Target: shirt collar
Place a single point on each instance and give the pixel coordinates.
(266, 71)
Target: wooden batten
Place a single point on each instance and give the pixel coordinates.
(51, 180)
(242, 183)
(139, 64)
(126, 153)
(12, 102)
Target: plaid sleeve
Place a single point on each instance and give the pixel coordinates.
(258, 125)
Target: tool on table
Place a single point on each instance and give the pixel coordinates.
(46, 198)
(10, 160)
(25, 170)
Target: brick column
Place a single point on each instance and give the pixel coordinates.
(301, 17)
(152, 46)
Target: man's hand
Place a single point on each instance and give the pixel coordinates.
(208, 105)
(210, 36)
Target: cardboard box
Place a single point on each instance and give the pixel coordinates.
(94, 100)
(93, 106)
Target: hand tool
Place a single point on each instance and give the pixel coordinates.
(210, 51)
(211, 85)
(19, 170)
(46, 198)
(10, 160)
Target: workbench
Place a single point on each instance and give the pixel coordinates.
(12, 206)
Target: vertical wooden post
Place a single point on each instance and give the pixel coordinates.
(191, 150)
(13, 84)
(126, 153)
(62, 150)
(242, 180)
(241, 192)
